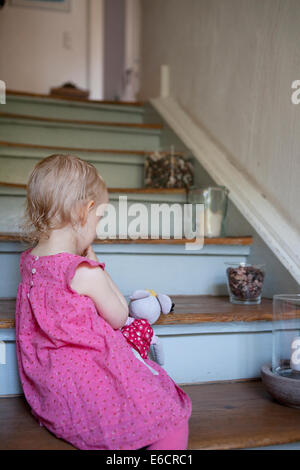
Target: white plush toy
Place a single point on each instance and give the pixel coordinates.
(146, 306)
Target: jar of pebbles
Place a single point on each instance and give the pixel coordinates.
(245, 282)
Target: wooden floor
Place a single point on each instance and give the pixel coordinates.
(232, 415)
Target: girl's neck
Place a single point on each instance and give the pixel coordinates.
(60, 240)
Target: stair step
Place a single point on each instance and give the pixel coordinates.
(20, 431)
(234, 241)
(189, 309)
(117, 167)
(72, 99)
(20, 145)
(165, 265)
(66, 108)
(85, 134)
(75, 122)
(13, 195)
(13, 199)
(239, 415)
(116, 190)
(226, 415)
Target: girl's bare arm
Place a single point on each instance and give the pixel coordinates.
(116, 290)
(92, 255)
(97, 284)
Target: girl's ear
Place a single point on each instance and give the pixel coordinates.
(84, 212)
(101, 209)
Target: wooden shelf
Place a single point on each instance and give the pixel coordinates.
(189, 309)
(228, 415)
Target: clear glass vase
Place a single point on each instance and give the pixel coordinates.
(215, 201)
(286, 335)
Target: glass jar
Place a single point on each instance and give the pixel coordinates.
(245, 282)
(286, 335)
(168, 170)
(215, 201)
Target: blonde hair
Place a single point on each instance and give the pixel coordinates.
(58, 190)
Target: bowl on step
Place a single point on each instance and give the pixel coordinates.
(285, 388)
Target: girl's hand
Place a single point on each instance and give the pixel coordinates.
(90, 254)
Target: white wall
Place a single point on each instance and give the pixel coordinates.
(232, 63)
(114, 49)
(33, 56)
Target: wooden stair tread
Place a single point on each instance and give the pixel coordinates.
(233, 241)
(4, 143)
(66, 98)
(19, 430)
(79, 122)
(117, 190)
(237, 415)
(230, 415)
(189, 309)
(178, 241)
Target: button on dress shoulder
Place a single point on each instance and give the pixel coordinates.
(80, 376)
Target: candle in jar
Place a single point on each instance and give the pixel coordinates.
(295, 354)
(213, 223)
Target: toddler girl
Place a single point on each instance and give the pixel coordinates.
(79, 374)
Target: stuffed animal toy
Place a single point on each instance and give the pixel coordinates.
(145, 308)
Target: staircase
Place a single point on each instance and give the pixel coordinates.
(206, 339)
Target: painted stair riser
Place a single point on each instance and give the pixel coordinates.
(77, 111)
(167, 269)
(214, 357)
(117, 172)
(9, 377)
(132, 212)
(120, 170)
(227, 352)
(82, 136)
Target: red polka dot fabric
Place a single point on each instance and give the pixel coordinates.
(81, 377)
(139, 334)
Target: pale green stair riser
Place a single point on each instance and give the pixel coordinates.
(64, 109)
(197, 354)
(164, 268)
(119, 170)
(78, 135)
(13, 201)
(125, 171)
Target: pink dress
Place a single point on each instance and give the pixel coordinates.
(80, 376)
